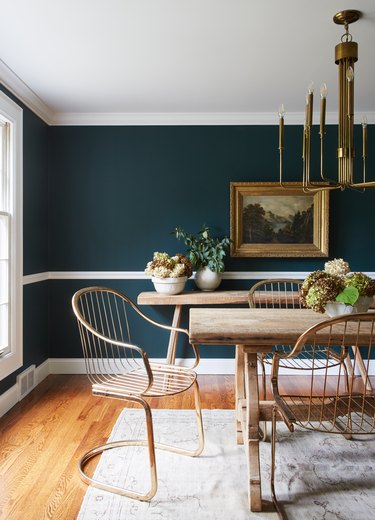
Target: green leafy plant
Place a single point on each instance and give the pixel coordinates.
(335, 283)
(203, 250)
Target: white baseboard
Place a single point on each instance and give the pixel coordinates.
(206, 366)
(8, 399)
(42, 371)
(77, 366)
(11, 397)
(223, 366)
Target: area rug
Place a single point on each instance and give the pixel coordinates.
(319, 477)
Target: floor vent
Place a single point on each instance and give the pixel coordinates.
(26, 382)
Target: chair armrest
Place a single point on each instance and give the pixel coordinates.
(167, 327)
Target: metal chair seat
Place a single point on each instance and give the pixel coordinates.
(166, 380)
(329, 414)
(304, 361)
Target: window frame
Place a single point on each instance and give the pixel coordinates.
(13, 114)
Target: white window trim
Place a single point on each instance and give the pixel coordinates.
(13, 360)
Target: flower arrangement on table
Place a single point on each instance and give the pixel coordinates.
(164, 266)
(336, 284)
(169, 273)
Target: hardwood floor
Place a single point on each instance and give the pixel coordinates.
(43, 437)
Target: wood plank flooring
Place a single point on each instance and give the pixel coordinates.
(44, 435)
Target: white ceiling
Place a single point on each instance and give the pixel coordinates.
(198, 58)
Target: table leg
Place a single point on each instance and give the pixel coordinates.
(252, 430)
(240, 390)
(172, 344)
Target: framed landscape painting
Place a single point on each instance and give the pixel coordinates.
(269, 220)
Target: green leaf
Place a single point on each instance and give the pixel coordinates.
(349, 295)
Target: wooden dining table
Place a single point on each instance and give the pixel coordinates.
(253, 331)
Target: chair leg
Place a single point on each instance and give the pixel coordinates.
(198, 414)
(150, 443)
(118, 444)
(280, 512)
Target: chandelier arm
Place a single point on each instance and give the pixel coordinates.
(368, 184)
(320, 187)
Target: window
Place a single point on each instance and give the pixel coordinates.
(10, 236)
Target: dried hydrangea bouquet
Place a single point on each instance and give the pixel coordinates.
(169, 273)
(336, 290)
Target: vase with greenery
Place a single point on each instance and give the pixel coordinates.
(336, 287)
(207, 255)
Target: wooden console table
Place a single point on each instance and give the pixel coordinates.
(190, 298)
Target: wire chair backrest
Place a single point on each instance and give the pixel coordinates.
(335, 399)
(276, 293)
(103, 323)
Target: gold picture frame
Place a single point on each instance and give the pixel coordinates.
(271, 221)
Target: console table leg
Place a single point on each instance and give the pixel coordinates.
(172, 344)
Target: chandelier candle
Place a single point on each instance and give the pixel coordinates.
(323, 102)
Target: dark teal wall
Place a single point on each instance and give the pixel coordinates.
(35, 243)
(116, 193)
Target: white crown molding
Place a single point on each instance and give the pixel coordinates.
(165, 119)
(16, 86)
(140, 275)
(188, 119)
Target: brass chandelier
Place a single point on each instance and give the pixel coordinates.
(346, 54)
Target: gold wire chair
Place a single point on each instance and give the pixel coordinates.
(274, 294)
(334, 401)
(282, 293)
(119, 369)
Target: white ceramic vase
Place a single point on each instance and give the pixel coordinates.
(338, 309)
(207, 280)
(169, 285)
(363, 303)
